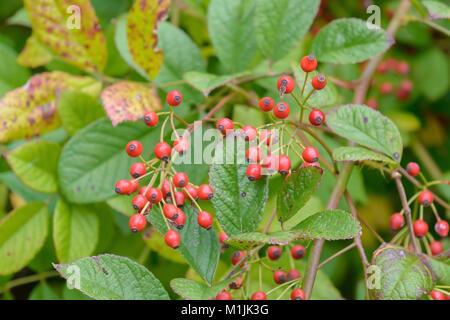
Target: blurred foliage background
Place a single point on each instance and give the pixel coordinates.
(422, 117)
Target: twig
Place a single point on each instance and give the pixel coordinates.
(337, 254)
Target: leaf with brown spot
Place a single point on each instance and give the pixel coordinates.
(30, 110)
(142, 35)
(34, 54)
(129, 101)
(84, 47)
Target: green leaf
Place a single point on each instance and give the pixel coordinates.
(230, 26)
(77, 110)
(325, 97)
(43, 292)
(240, 202)
(198, 246)
(75, 36)
(430, 74)
(35, 164)
(12, 75)
(251, 240)
(207, 82)
(249, 115)
(30, 110)
(34, 54)
(142, 26)
(95, 159)
(129, 101)
(441, 267)
(355, 43)
(296, 190)
(280, 24)
(358, 154)
(193, 290)
(329, 224)
(110, 277)
(22, 235)
(155, 241)
(367, 127)
(75, 231)
(181, 55)
(403, 275)
(437, 10)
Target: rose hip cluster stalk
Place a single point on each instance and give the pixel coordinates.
(174, 188)
(424, 198)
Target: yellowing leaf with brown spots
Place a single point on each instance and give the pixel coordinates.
(31, 110)
(34, 54)
(70, 29)
(142, 35)
(129, 101)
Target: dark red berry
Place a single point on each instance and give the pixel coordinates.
(397, 221)
(162, 151)
(441, 227)
(249, 133)
(205, 220)
(319, 82)
(137, 222)
(123, 186)
(284, 164)
(279, 277)
(293, 274)
(236, 283)
(316, 117)
(426, 198)
(151, 119)
(413, 169)
(225, 125)
(436, 247)
(172, 239)
(420, 228)
(181, 145)
(310, 154)
(139, 202)
(154, 195)
(174, 98)
(170, 211)
(308, 63)
(224, 295)
(254, 172)
(285, 85)
(259, 295)
(205, 192)
(236, 257)
(180, 198)
(166, 188)
(298, 294)
(138, 169)
(181, 219)
(134, 149)
(437, 295)
(253, 154)
(274, 253)
(180, 180)
(190, 192)
(266, 104)
(298, 252)
(281, 110)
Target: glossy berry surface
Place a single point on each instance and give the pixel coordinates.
(266, 104)
(205, 220)
(172, 239)
(205, 192)
(174, 98)
(308, 63)
(281, 110)
(396, 221)
(426, 198)
(285, 84)
(259, 295)
(180, 179)
(274, 253)
(151, 119)
(441, 227)
(180, 198)
(180, 220)
(254, 172)
(224, 295)
(319, 82)
(170, 211)
(154, 195)
(298, 252)
(284, 164)
(237, 256)
(413, 169)
(139, 201)
(224, 125)
(190, 192)
(138, 169)
(123, 187)
(280, 277)
(162, 151)
(253, 154)
(310, 154)
(134, 148)
(298, 294)
(316, 117)
(137, 222)
(420, 228)
(249, 133)
(166, 188)
(437, 295)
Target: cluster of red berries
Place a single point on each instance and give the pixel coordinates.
(172, 193)
(279, 276)
(420, 227)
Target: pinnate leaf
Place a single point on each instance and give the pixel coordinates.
(367, 127)
(129, 101)
(111, 277)
(22, 235)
